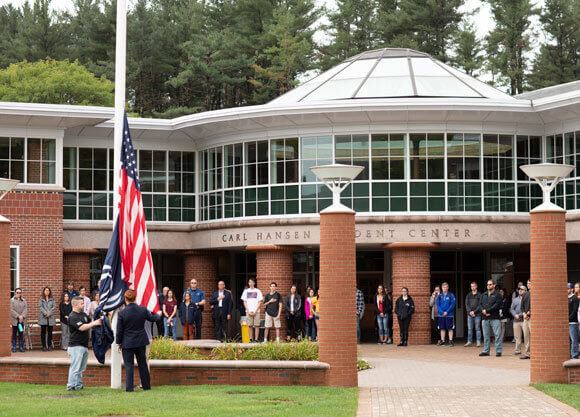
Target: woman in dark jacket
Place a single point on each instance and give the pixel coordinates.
(187, 311)
(293, 306)
(383, 309)
(65, 310)
(404, 309)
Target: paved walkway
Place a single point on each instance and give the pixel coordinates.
(427, 381)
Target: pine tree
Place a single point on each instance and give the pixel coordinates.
(558, 61)
(468, 50)
(511, 37)
(10, 20)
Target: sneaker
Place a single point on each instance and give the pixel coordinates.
(478, 344)
(401, 344)
(517, 353)
(70, 389)
(484, 354)
(468, 344)
(498, 354)
(379, 343)
(13, 350)
(389, 342)
(451, 344)
(513, 340)
(524, 357)
(441, 343)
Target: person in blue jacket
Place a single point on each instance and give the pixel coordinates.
(446, 310)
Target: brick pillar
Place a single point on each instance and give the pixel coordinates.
(275, 264)
(5, 329)
(202, 265)
(412, 269)
(76, 266)
(337, 324)
(549, 307)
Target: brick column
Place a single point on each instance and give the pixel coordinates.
(274, 263)
(549, 307)
(337, 324)
(76, 266)
(202, 265)
(412, 269)
(5, 329)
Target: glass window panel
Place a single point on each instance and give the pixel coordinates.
(5, 148)
(397, 145)
(308, 147)
(490, 168)
(472, 144)
(343, 146)
(85, 213)
(455, 168)
(263, 173)
(85, 158)
(435, 166)
(380, 189)
(418, 188)
(454, 144)
(436, 188)
(292, 192)
(174, 161)
(364, 175)
(398, 204)
(435, 144)
(159, 160)
(418, 204)
(33, 150)
(324, 147)
(381, 204)
(380, 145)
(536, 147)
(355, 70)
(360, 189)
(277, 150)
(263, 209)
(69, 157)
(398, 189)
(506, 146)
(85, 179)
(360, 146)
(308, 191)
(292, 171)
(308, 206)
(146, 180)
(188, 183)
(250, 194)
(100, 158)
(174, 179)
(277, 207)
(17, 170)
(446, 86)
(397, 168)
(471, 168)
(307, 175)
(380, 168)
(334, 89)
(48, 172)
(159, 182)
(145, 160)
(292, 207)
(436, 204)
(99, 180)
(69, 213)
(251, 174)
(33, 172)
(418, 144)
(386, 87)
(263, 151)
(17, 148)
(490, 145)
(427, 67)
(277, 193)
(4, 169)
(85, 199)
(361, 205)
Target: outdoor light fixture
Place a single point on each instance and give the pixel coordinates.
(6, 186)
(547, 176)
(337, 177)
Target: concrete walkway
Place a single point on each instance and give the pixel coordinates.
(442, 381)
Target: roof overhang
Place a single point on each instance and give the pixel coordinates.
(52, 116)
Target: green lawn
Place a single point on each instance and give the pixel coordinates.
(211, 401)
(569, 394)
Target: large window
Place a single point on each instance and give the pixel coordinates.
(14, 268)
(30, 160)
(167, 181)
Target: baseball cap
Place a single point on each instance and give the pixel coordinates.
(570, 285)
(522, 287)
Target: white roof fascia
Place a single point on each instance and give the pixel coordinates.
(55, 110)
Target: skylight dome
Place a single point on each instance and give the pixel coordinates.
(390, 73)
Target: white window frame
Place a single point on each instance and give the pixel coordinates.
(17, 283)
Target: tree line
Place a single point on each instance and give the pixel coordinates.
(186, 56)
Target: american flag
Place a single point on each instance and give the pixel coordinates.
(137, 268)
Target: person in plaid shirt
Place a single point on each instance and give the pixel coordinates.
(360, 311)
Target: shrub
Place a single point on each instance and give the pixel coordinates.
(167, 349)
(362, 365)
(273, 351)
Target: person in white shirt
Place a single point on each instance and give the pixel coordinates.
(252, 298)
(87, 301)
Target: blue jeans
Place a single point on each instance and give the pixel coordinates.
(357, 328)
(78, 363)
(311, 329)
(166, 327)
(488, 327)
(471, 323)
(383, 325)
(573, 340)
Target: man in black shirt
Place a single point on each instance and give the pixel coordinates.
(273, 305)
(490, 303)
(78, 347)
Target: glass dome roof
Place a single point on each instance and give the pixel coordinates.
(389, 73)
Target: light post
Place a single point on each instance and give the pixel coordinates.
(548, 274)
(337, 279)
(6, 186)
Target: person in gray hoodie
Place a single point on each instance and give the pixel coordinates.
(18, 313)
(516, 311)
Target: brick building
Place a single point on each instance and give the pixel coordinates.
(228, 194)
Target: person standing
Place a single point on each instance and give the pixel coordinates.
(360, 311)
(169, 313)
(222, 303)
(78, 349)
(504, 312)
(491, 303)
(161, 295)
(434, 313)
(187, 314)
(273, 308)
(310, 315)
(18, 313)
(383, 308)
(446, 308)
(198, 298)
(70, 289)
(47, 320)
(404, 309)
(527, 324)
(65, 309)
(293, 306)
(516, 312)
(252, 298)
(94, 304)
(473, 315)
(132, 339)
(87, 300)
(573, 303)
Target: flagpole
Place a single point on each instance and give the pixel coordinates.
(120, 64)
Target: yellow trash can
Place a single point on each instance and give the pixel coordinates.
(245, 333)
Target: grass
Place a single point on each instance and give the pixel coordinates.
(209, 401)
(569, 394)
